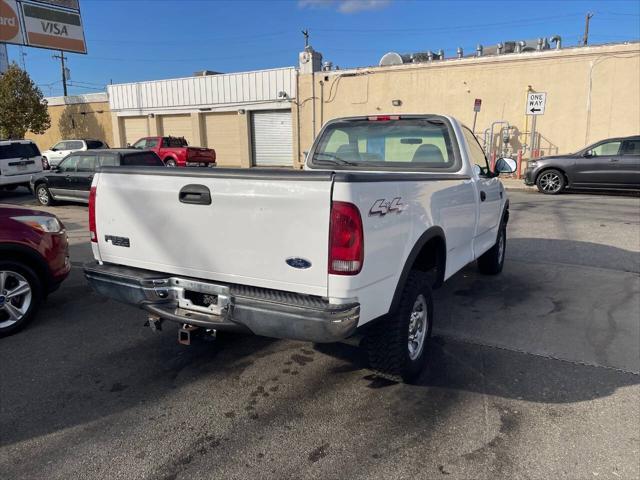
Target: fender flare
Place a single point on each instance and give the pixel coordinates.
(429, 234)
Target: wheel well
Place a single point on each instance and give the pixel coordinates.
(30, 259)
(545, 169)
(432, 256)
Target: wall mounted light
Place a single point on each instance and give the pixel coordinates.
(396, 103)
(241, 111)
(152, 115)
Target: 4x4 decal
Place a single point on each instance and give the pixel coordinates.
(382, 206)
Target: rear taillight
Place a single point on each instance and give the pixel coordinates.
(346, 239)
(92, 215)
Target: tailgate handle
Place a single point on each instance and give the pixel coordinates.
(195, 195)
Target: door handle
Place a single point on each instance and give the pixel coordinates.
(195, 195)
(68, 178)
(483, 196)
(614, 160)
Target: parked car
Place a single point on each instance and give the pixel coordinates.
(55, 154)
(19, 159)
(71, 179)
(34, 260)
(387, 207)
(175, 152)
(608, 164)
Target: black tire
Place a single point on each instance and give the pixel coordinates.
(43, 195)
(387, 341)
(492, 261)
(170, 162)
(9, 270)
(551, 182)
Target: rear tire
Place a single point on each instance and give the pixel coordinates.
(397, 346)
(550, 182)
(492, 261)
(17, 310)
(43, 195)
(170, 163)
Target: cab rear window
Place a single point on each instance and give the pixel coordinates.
(18, 150)
(388, 143)
(142, 159)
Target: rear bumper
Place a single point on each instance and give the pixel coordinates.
(270, 313)
(16, 179)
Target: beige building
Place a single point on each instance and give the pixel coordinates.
(78, 116)
(592, 93)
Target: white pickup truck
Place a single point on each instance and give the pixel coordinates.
(387, 207)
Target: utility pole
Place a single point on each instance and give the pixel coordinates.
(64, 76)
(585, 38)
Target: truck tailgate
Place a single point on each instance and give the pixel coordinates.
(255, 222)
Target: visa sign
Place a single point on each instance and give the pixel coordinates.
(49, 27)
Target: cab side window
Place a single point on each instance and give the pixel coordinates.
(86, 163)
(631, 147)
(69, 164)
(476, 152)
(107, 160)
(606, 149)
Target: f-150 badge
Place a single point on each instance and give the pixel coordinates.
(383, 206)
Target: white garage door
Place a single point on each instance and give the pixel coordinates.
(177, 126)
(135, 128)
(272, 138)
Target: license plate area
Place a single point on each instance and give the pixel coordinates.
(202, 297)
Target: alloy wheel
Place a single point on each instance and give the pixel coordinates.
(15, 297)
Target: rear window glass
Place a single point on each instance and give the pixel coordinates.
(18, 150)
(421, 144)
(142, 159)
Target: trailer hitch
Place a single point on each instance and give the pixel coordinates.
(187, 333)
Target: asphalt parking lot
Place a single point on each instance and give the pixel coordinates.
(534, 373)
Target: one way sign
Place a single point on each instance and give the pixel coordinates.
(536, 102)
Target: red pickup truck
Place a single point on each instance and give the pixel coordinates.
(175, 152)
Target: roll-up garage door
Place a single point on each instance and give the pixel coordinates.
(177, 126)
(272, 138)
(223, 135)
(135, 128)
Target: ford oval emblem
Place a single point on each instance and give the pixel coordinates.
(299, 263)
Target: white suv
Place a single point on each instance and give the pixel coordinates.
(19, 159)
(55, 154)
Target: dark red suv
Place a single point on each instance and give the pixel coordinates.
(34, 260)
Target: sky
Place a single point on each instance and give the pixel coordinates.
(133, 40)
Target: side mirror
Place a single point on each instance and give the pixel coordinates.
(128, 145)
(506, 165)
(54, 168)
(588, 154)
(53, 149)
